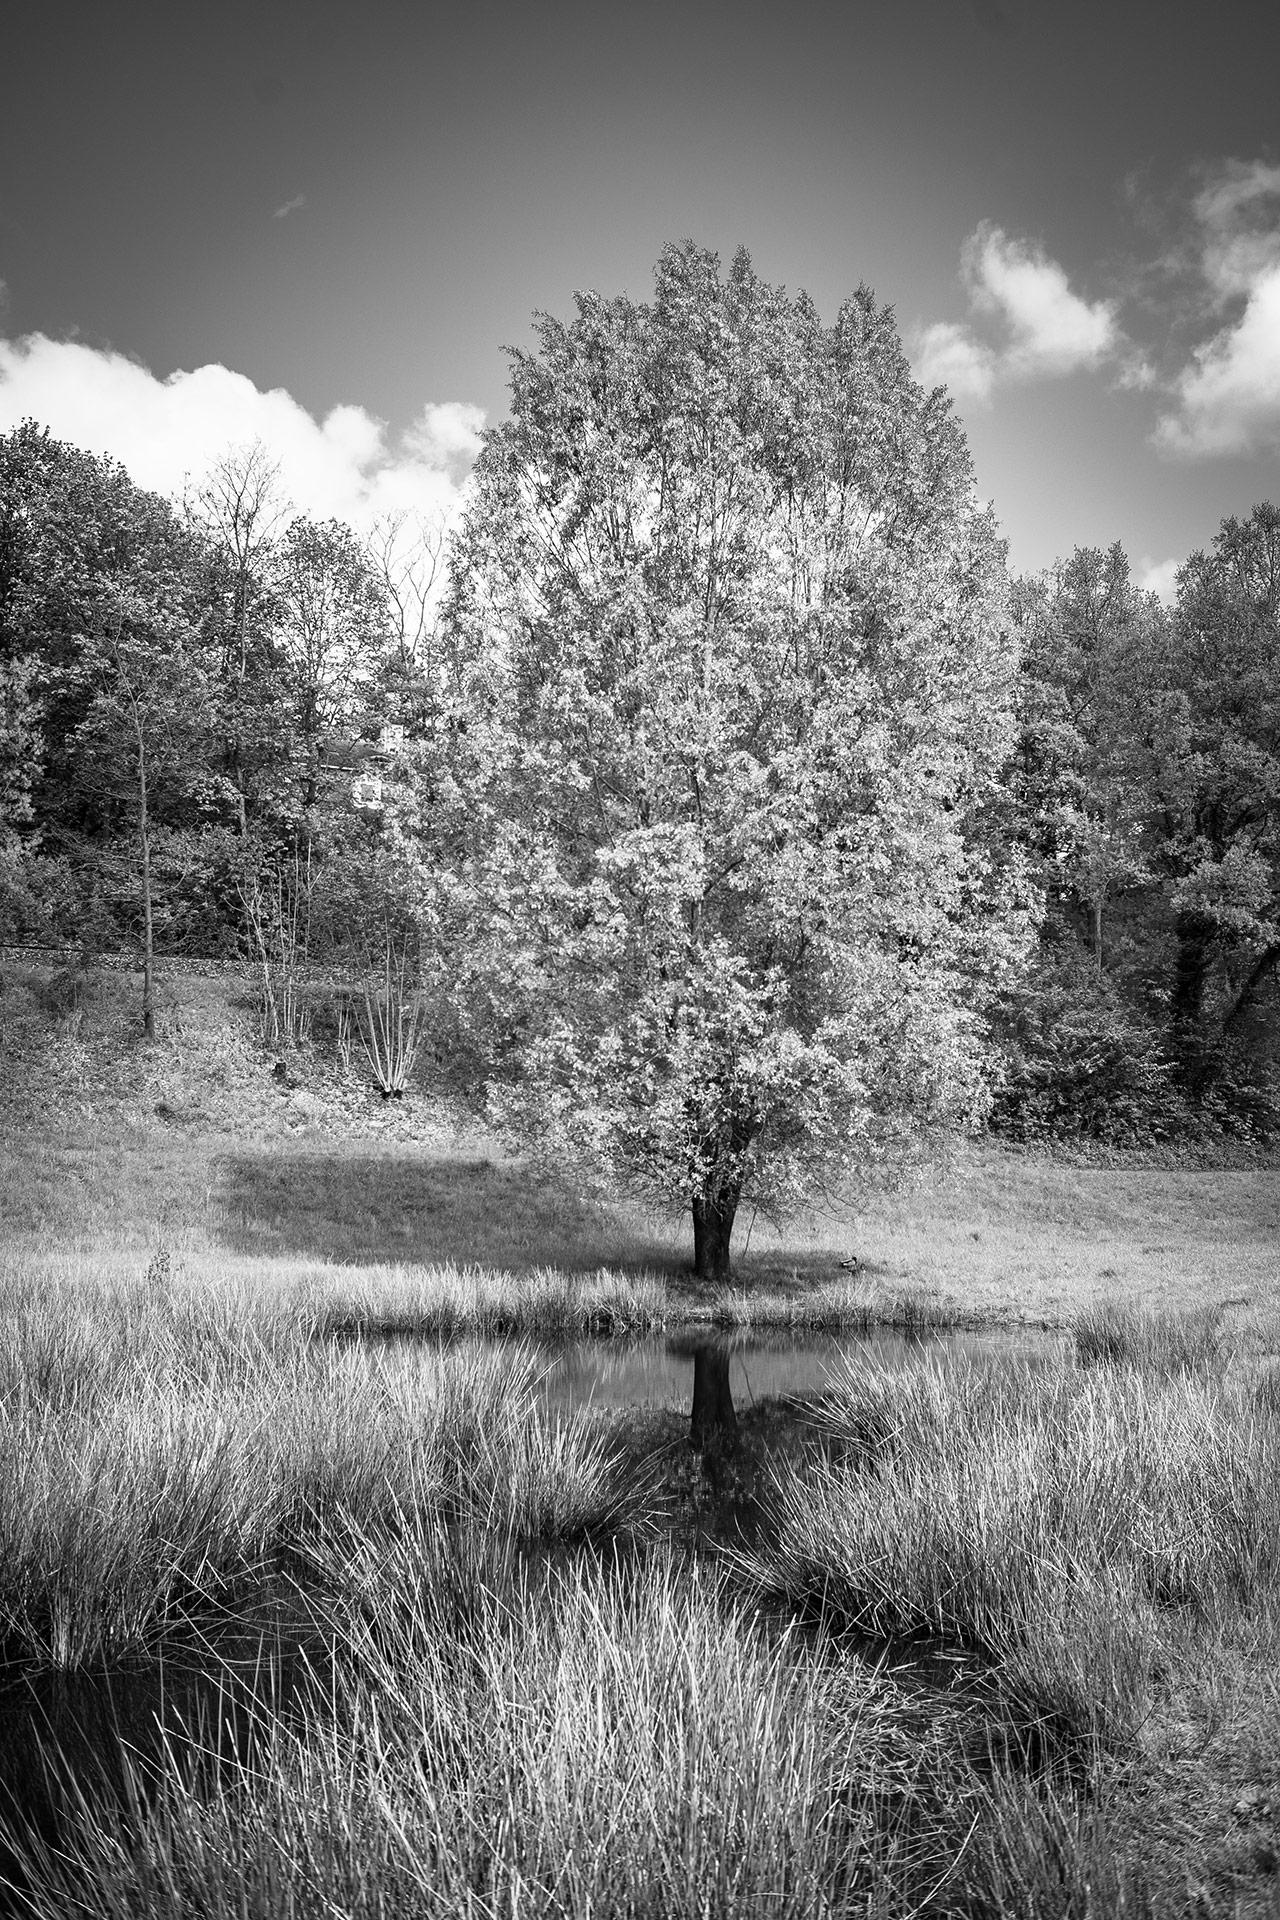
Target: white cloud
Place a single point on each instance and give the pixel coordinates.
(1159, 577)
(1047, 330)
(290, 206)
(168, 432)
(948, 356)
(1238, 214)
(447, 435)
(1227, 396)
(1051, 330)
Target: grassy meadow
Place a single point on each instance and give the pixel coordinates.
(295, 1621)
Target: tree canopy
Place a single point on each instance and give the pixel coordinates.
(728, 685)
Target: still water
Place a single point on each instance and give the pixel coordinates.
(659, 1372)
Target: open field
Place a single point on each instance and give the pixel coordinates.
(998, 1236)
(194, 1147)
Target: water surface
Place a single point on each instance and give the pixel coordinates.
(658, 1372)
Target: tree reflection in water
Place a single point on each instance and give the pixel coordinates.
(713, 1415)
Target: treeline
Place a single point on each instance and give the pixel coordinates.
(205, 709)
(1146, 791)
(194, 707)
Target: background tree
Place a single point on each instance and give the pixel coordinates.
(333, 631)
(20, 747)
(1146, 790)
(1218, 777)
(240, 513)
(150, 723)
(725, 684)
(406, 555)
(78, 543)
(1093, 651)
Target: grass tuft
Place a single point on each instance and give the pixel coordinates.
(1161, 1343)
(1039, 1520)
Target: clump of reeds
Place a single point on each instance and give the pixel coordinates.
(159, 1455)
(446, 1301)
(394, 1020)
(556, 1739)
(1041, 1520)
(1115, 1335)
(849, 1304)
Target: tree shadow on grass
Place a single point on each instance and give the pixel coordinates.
(424, 1209)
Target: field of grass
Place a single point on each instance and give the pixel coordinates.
(296, 1625)
(993, 1237)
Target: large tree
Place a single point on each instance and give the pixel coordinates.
(724, 687)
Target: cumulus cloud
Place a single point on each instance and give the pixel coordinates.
(1050, 329)
(1043, 329)
(448, 436)
(167, 433)
(1238, 215)
(1228, 398)
(1159, 577)
(1227, 395)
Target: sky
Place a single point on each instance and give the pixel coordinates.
(320, 226)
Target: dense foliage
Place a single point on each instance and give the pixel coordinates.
(1147, 788)
(727, 638)
(722, 785)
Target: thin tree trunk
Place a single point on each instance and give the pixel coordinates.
(713, 1410)
(712, 1233)
(1097, 935)
(144, 834)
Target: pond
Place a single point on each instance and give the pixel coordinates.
(716, 1375)
(659, 1372)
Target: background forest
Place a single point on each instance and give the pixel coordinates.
(206, 710)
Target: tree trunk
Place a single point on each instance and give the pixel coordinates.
(713, 1412)
(1195, 951)
(712, 1232)
(1262, 967)
(148, 984)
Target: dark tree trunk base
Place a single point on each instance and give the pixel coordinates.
(712, 1233)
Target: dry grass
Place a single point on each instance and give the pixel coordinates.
(1037, 1518)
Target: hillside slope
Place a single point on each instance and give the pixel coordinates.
(206, 1145)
